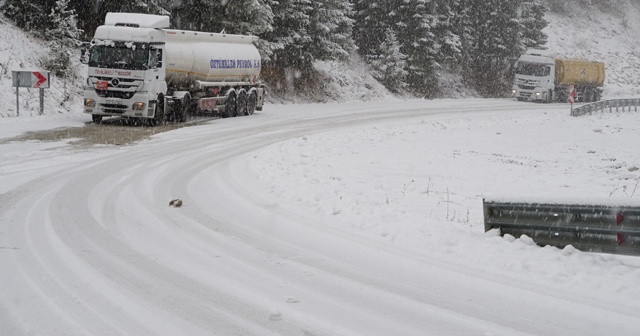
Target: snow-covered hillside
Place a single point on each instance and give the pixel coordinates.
(20, 51)
(613, 38)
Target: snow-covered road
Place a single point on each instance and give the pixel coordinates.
(351, 219)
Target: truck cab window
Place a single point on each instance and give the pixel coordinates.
(158, 62)
(532, 69)
(153, 58)
(120, 56)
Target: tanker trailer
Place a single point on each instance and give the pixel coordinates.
(140, 69)
(542, 76)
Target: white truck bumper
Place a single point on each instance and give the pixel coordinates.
(536, 94)
(138, 106)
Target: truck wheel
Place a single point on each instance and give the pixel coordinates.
(588, 96)
(251, 103)
(242, 103)
(183, 109)
(96, 118)
(230, 106)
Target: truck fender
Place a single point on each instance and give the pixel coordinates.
(179, 95)
(229, 92)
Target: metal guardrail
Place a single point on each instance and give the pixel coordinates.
(606, 104)
(589, 228)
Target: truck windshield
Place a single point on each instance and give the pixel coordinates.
(130, 56)
(532, 69)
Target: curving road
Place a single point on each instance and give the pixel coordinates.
(89, 246)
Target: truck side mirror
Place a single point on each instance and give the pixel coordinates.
(84, 56)
(84, 53)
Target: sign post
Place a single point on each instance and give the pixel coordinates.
(572, 96)
(36, 79)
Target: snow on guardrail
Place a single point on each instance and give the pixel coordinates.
(589, 228)
(601, 106)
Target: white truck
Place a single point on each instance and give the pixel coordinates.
(541, 75)
(140, 69)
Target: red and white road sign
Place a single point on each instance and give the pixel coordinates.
(39, 80)
(572, 94)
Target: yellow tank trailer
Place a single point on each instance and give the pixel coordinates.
(579, 72)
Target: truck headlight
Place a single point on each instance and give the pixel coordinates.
(138, 106)
(88, 102)
(538, 94)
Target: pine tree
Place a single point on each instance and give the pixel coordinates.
(29, 15)
(389, 67)
(63, 37)
(448, 43)
(495, 43)
(462, 23)
(330, 29)
(253, 17)
(418, 43)
(128, 6)
(290, 35)
(372, 19)
(533, 22)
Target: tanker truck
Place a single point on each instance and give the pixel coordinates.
(142, 70)
(544, 77)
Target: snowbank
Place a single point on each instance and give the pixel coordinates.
(20, 51)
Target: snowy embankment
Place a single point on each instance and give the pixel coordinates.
(612, 38)
(20, 51)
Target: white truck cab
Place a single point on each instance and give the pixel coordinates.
(535, 76)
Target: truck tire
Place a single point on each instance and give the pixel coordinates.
(242, 103)
(588, 96)
(96, 118)
(185, 106)
(561, 96)
(251, 103)
(230, 106)
(597, 96)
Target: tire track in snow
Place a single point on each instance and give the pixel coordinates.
(106, 255)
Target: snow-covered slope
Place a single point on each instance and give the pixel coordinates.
(20, 51)
(613, 38)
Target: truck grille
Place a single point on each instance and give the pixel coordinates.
(113, 108)
(125, 89)
(115, 94)
(526, 87)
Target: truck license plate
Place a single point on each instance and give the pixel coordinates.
(102, 85)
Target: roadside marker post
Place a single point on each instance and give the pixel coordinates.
(36, 79)
(572, 96)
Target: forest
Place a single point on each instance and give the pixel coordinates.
(408, 44)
